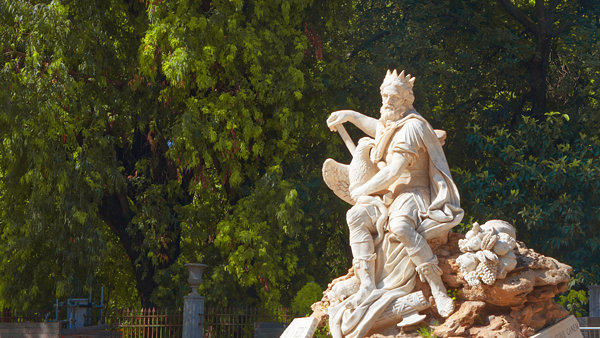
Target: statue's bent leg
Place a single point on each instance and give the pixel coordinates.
(361, 223)
(426, 262)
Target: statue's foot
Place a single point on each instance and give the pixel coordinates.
(444, 304)
(365, 271)
(432, 273)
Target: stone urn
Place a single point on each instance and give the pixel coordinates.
(195, 275)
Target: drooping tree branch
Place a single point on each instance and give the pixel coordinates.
(541, 29)
(516, 13)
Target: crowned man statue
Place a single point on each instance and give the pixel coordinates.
(403, 199)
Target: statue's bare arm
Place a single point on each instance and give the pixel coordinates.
(365, 123)
(383, 179)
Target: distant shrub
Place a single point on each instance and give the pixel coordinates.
(310, 293)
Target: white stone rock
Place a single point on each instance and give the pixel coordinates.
(301, 328)
(566, 328)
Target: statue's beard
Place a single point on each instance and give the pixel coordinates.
(389, 113)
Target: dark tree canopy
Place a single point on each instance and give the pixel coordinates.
(140, 136)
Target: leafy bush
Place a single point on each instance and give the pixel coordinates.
(576, 301)
(543, 177)
(310, 293)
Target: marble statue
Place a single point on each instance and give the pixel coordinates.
(403, 198)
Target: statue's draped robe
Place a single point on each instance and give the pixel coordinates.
(395, 274)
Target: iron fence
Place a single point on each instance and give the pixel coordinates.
(12, 316)
(590, 327)
(239, 322)
(236, 322)
(146, 322)
(590, 332)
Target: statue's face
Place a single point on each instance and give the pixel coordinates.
(393, 102)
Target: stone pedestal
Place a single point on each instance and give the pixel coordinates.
(193, 304)
(566, 328)
(193, 316)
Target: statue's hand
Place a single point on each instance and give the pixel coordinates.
(338, 117)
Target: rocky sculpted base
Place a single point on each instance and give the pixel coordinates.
(518, 305)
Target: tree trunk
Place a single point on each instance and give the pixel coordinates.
(538, 73)
(540, 27)
(116, 214)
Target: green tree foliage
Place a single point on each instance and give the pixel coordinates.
(139, 136)
(472, 61)
(238, 74)
(544, 177)
(310, 293)
(576, 302)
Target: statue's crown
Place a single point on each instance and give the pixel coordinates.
(395, 79)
